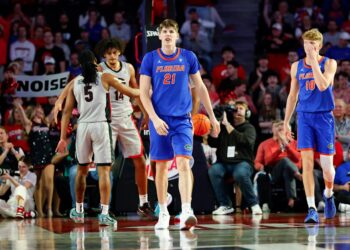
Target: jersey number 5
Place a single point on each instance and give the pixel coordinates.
(169, 78)
(310, 85)
(88, 93)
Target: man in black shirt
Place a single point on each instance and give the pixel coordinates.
(235, 156)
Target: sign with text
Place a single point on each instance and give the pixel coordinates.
(41, 86)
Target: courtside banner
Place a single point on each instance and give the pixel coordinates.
(41, 86)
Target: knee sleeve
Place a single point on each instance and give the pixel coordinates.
(327, 167)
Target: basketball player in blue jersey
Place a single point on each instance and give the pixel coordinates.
(311, 93)
(90, 91)
(167, 71)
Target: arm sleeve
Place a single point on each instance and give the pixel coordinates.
(193, 61)
(146, 65)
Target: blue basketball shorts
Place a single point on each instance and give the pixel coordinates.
(178, 141)
(316, 132)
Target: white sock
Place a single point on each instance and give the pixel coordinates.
(163, 208)
(105, 209)
(143, 199)
(79, 207)
(186, 207)
(328, 192)
(311, 202)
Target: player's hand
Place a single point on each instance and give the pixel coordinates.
(215, 127)
(144, 122)
(288, 132)
(310, 51)
(57, 108)
(160, 126)
(62, 147)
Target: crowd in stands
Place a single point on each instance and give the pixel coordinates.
(45, 38)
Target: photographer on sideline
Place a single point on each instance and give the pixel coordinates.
(235, 156)
(21, 201)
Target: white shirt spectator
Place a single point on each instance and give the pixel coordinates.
(24, 50)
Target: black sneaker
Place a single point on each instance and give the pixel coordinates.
(146, 211)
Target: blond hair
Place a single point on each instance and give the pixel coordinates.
(313, 35)
(169, 23)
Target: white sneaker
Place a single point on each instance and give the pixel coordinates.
(222, 210)
(163, 221)
(187, 220)
(265, 208)
(256, 210)
(321, 206)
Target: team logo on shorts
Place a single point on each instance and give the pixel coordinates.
(330, 146)
(188, 147)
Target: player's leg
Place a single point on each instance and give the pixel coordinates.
(306, 144)
(325, 145)
(132, 147)
(84, 156)
(182, 141)
(161, 152)
(103, 158)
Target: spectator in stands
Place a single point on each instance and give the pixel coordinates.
(83, 42)
(198, 42)
(273, 87)
(94, 26)
(205, 26)
(38, 37)
(268, 113)
(235, 156)
(310, 10)
(40, 20)
(105, 34)
(9, 154)
(332, 35)
(4, 42)
(340, 51)
(13, 35)
(59, 42)
(344, 66)
(306, 24)
(49, 50)
(342, 184)
(219, 72)
(341, 88)
(213, 95)
(336, 10)
(278, 17)
(227, 85)
(119, 28)
(284, 72)
(15, 127)
(259, 75)
(283, 9)
(17, 15)
(74, 67)
(41, 153)
(23, 49)
(280, 158)
(67, 30)
(21, 201)
(92, 13)
(342, 125)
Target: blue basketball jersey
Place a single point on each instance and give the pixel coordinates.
(311, 99)
(170, 80)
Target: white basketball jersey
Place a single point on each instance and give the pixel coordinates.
(120, 103)
(92, 100)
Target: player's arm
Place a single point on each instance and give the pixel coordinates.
(59, 102)
(292, 99)
(133, 84)
(323, 80)
(113, 81)
(204, 97)
(145, 96)
(66, 114)
(196, 102)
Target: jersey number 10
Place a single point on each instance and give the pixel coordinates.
(310, 85)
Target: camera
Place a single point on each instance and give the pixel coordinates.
(11, 172)
(228, 108)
